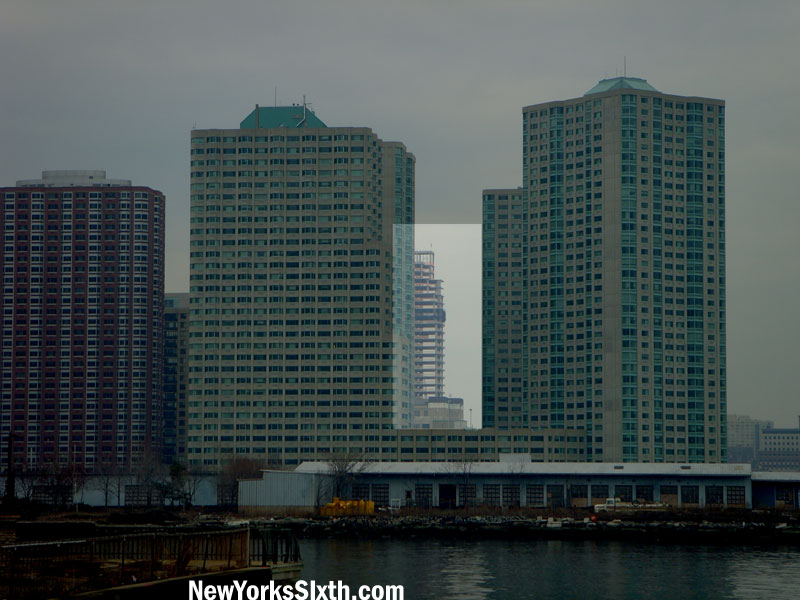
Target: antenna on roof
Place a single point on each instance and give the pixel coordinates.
(624, 66)
(276, 95)
(303, 120)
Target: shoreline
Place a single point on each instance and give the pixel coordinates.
(668, 527)
(521, 528)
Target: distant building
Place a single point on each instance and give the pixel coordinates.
(744, 435)
(778, 450)
(429, 319)
(176, 372)
(83, 292)
(439, 412)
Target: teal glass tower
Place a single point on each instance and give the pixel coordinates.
(604, 278)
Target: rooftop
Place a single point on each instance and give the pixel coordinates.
(776, 476)
(74, 179)
(531, 468)
(268, 117)
(621, 83)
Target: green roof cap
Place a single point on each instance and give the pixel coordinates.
(621, 83)
(266, 117)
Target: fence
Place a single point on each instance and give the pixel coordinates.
(50, 569)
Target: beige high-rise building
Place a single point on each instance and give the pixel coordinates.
(604, 277)
(300, 338)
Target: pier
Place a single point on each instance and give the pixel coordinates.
(120, 566)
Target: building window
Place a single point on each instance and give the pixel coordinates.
(534, 495)
(624, 492)
(491, 494)
(736, 496)
(690, 494)
(713, 495)
(511, 495)
(644, 493)
(423, 495)
(380, 494)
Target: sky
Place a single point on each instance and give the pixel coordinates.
(457, 262)
(116, 85)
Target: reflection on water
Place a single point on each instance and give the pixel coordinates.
(763, 573)
(498, 570)
(465, 574)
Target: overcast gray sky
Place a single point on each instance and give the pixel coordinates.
(457, 262)
(118, 85)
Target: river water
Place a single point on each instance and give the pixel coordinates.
(542, 570)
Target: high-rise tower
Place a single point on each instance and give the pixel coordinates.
(428, 329)
(604, 277)
(300, 337)
(83, 292)
(176, 375)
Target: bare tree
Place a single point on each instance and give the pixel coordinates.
(151, 480)
(192, 483)
(231, 473)
(461, 470)
(118, 483)
(343, 470)
(75, 475)
(173, 489)
(108, 480)
(58, 484)
(26, 481)
(515, 467)
(182, 484)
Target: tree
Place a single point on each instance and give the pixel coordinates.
(462, 471)
(59, 483)
(150, 478)
(343, 470)
(109, 480)
(75, 476)
(26, 481)
(231, 473)
(182, 485)
(515, 466)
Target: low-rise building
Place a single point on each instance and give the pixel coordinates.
(516, 483)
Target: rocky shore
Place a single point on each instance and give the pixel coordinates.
(673, 527)
(533, 528)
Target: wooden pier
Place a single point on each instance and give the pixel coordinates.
(164, 560)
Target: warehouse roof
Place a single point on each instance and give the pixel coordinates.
(784, 476)
(531, 468)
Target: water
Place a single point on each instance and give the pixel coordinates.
(541, 570)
